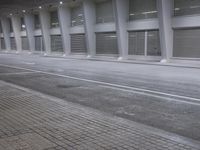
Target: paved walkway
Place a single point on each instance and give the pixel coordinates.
(33, 121)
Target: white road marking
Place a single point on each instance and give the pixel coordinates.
(120, 87)
(28, 63)
(16, 73)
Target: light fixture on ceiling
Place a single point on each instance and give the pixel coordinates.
(11, 14)
(40, 7)
(61, 2)
(23, 11)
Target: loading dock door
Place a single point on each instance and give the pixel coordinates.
(56, 43)
(78, 43)
(13, 43)
(25, 43)
(106, 43)
(3, 44)
(39, 45)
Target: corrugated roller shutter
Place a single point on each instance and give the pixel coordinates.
(104, 12)
(77, 16)
(153, 43)
(78, 43)
(39, 46)
(13, 43)
(106, 43)
(137, 43)
(56, 43)
(25, 43)
(3, 44)
(186, 43)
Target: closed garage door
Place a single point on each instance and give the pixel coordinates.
(25, 44)
(13, 43)
(78, 43)
(56, 43)
(144, 43)
(186, 43)
(3, 45)
(106, 43)
(137, 43)
(39, 46)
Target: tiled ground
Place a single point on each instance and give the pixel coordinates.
(32, 121)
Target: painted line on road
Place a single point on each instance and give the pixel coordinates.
(117, 86)
(16, 73)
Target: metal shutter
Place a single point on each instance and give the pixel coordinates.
(104, 12)
(56, 43)
(106, 43)
(78, 43)
(25, 43)
(54, 19)
(3, 44)
(186, 7)
(39, 45)
(13, 43)
(153, 43)
(186, 43)
(142, 9)
(77, 16)
(137, 43)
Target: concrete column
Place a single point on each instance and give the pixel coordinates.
(6, 32)
(166, 32)
(45, 23)
(29, 21)
(16, 23)
(121, 8)
(90, 21)
(65, 19)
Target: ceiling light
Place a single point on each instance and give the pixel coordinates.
(11, 14)
(40, 7)
(23, 11)
(61, 2)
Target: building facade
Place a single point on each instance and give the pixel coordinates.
(156, 30)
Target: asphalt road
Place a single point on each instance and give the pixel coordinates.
(164, 97)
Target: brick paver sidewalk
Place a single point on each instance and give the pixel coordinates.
(32, 121)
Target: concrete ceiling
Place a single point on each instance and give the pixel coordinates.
(15, 6)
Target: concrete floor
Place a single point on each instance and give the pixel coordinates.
(163, 97)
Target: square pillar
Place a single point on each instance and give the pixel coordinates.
(29, 21)
(45, 23)
(16, 23)
(64, 15)
(6, 32)
(90, 20)
(121, 8)
(166, 31)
